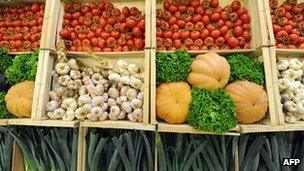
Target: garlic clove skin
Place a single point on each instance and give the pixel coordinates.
(75, 74)
(140, 96)
(52, 105)
(122, 115)
(136, 103)
(96, 78)
(69, 104)
(81, 113)
(69, 116)
(113, 92)
(126, 106)
(300, 108)
(131, 117)
(123, 90)
(122, 64)
(104, 116)
(290, 119)
(88, 107)
(138, 113)
(136, 83)
(62, 68)
(282, 65)
(84, 99)
(99, 89)
(114, 77)
(59, 112)
(112, 102)
(105, 106)
(295, 64)
(121, 99)
(114, 112)
(133, 68)
(64, 80)
(131, 93)
(73, 64)
(98, 101)
(83, 90)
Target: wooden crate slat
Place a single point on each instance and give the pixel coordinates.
(123, 124)
(185, 128)
(42, 123)
(17, 158)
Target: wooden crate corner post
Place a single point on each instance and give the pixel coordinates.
(81, 158)
(153, 87)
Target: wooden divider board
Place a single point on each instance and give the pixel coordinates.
(142, 5)
(256, 12)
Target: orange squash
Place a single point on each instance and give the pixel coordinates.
(250, 100)
(209, 71)
(172, 101)
(19, 99)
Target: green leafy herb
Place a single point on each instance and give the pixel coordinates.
(24, 67)
(172, 67)
(211, 110)
(5, 60)
(4, 114)
(243, 68)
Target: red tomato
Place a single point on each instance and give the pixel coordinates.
(215, 34)
(139, 44)
(247, 36)
(293, 38)
(131, 23)
(204, 33)
(177, 43)
(167, 34)
(196, 18)
(64, 34)
(137, 32)
(223, 30)
(195, 35)
(232, 42)
(215, 16)
(184, 34)
(181, 23)
(209, 41)
(205, 20)
(220, 41)
(238, 31)
(236, 5)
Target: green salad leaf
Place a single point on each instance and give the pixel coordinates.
(5, 60)
(212, 111)
(4, 113)
(24, 67)
(244, 68)
(172, 67)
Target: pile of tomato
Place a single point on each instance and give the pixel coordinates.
(196, 25)
(20, 27)
(288, 23)
(101, 27)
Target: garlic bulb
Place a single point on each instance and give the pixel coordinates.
(133, 68)
(131, 93)
(64, 80)
(96, 78)
(282, 65)
(114, 112)
(114, 77)
(98, 101)
(81, 113)
(136, 103)
(74, 74)
(62, 68)
(69, 116)
(113, 92)
(73, 64)
(84, 99)
(122, 64)
(69, 104)
(103, 116)
(126, 106)
(52, 105)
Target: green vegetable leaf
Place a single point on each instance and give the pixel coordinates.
(244, 68)
(211, 110)
(172, 67)
(24, 67)
(4, 113)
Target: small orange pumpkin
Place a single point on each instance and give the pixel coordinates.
(250, 100)
(209, 71)
(172, 101)
(19, 99)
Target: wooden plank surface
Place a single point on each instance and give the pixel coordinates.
(43, 123)
(82, 146)
(185, 128)
(17, 158)
(123, 124)
(3, 122)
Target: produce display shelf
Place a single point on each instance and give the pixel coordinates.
(118, 125)
(256, 12)
(185, 128)
(43, 123)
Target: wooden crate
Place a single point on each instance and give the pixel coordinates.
(46, 19)
(275, 54)
(258, 23)
(142, 5)
(83, 130)
(43, 83)
(270, 33)
(261, 54)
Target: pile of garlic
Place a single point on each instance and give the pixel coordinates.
(97, 93)
(291, 86)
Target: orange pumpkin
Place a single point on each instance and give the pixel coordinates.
(209, 71)
(250, 100)
(172, 101)
(19, 99)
